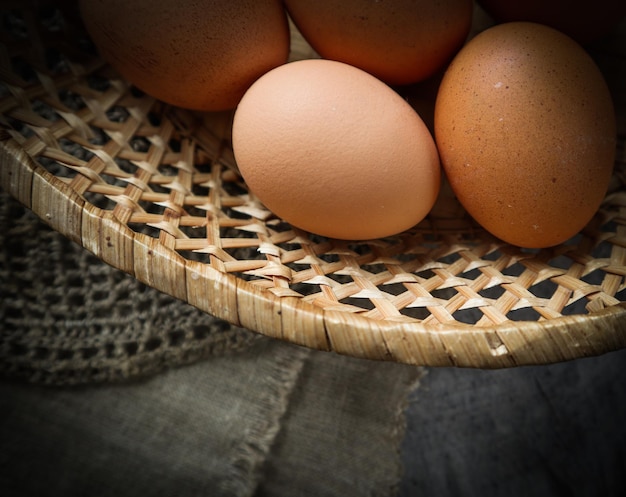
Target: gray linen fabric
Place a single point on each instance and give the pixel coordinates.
(548, 431)
(361, 439)
(187, 432)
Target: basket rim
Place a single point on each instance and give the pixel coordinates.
(239, 302)
(389, 329)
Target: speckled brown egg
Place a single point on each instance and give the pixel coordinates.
(525, 128)
(334, 151)
(399, 42)
(196, 54)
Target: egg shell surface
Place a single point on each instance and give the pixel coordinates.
(200, 55)
(399, 42)
(334, 151)
(526, 131)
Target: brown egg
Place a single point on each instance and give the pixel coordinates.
(333, 150)
(526, 132)
(583, 20)
(399, 42)
(196, 54)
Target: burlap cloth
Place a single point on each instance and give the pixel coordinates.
(110, 388)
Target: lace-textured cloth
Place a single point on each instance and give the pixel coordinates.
(69, 318)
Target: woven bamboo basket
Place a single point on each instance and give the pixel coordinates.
(154, 191)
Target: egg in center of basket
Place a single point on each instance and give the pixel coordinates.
(335, 151)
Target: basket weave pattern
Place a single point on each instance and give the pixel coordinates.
(154, 191)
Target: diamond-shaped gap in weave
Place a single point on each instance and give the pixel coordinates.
(170, 174)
